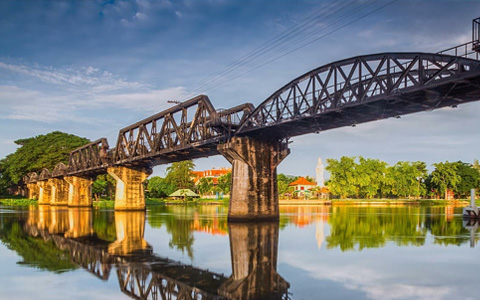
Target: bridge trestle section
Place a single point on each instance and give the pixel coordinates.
(254, 193)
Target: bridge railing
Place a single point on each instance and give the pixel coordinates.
(466, 50)
(476, 34)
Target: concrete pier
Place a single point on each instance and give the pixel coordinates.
(60, 189)
(254, 248)
(254, 162)
(45, 192)
(33, 191)
(129, 194)
(79, 191)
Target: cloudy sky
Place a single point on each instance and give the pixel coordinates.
(92, 67)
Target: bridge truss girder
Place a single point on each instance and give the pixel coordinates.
(362, 89)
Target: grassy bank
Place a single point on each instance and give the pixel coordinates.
(105, 203)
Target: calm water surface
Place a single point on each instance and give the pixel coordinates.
(176, 252)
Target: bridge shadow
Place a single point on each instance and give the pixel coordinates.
(141, 274)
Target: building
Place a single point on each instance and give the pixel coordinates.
(302, 184)
(212, 173)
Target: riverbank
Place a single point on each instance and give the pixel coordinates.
(104, 203)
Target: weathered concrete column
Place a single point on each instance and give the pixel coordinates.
(254, 193)
(33, 190)
(129, 194)
(45, 192)
(80, 222)
(79, 191)
(60, 189)
(130, 228)
(253, 248)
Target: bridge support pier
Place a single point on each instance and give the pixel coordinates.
(254, 248)
(254, 193)
(129, 194)
(33, 190)
(79, 191)
(44, 193)
(60, 190)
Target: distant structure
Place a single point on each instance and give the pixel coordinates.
(319, 172)
(212, 173)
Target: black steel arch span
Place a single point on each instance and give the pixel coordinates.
(362, 89)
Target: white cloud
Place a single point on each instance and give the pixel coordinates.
(75, 78)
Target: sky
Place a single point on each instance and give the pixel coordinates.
(92, 67)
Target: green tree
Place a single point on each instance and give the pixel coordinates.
(158, 187)
(342, 176)
(104, 185)
(225, 183)
(369, 176)
(179, 174)
(408, 179)
(283, 182)
(469, 179)
(205, 185)
(36, 153)
(445, 177)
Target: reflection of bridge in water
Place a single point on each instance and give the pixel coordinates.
(143, 275)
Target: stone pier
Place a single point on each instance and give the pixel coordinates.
(130, 228)
(79, 191)
(60, 189)
(253, 194)
(45, 192)
(253, 248)
(129, 194)
(33, 190)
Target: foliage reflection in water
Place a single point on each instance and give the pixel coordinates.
(112, 244)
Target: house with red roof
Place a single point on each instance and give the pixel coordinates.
(302, 184)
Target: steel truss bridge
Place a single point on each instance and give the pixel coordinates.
(343, 93)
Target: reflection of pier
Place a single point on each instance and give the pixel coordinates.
(472, 226)
(143, 275)
(253, 249)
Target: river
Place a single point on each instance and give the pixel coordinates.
(192, 252)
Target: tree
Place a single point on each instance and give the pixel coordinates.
(445, 177)
(104, 185)
(370, 176)
(342, 176)
(225, 183)
(36, 153)
(205, 185)
(408, 179)
(158, 187)
(179, 174)
(469, 179)
(283, 182)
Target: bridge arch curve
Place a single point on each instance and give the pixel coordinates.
(362, 89)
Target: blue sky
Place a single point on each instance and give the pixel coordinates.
(92, 67)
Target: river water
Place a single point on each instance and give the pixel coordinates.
(191, 252)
